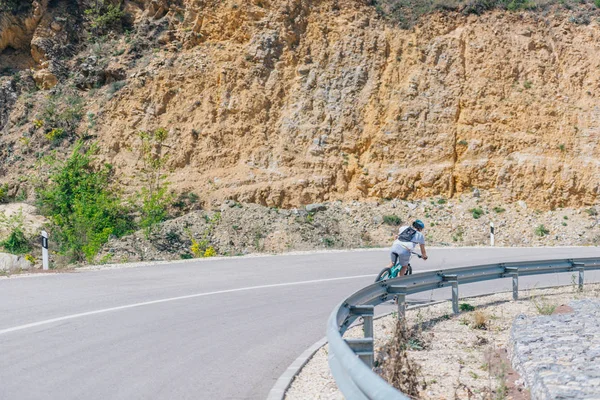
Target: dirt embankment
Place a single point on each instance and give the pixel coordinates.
(236, 228)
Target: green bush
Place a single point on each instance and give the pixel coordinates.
(499, 210)
(393, 220)
(105, 16)
(477, 212)
(597, 3)
(465, 307)
(541, 230)
(16, 243)
(82, 206)
(4, 193)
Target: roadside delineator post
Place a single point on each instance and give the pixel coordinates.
(45, 263)
(492, 234)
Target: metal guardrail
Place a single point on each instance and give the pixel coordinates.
(351, 360)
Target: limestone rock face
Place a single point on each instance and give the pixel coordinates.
(292, 102)
(16, 30)
(287, 103)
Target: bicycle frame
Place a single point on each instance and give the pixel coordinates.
(395, 270)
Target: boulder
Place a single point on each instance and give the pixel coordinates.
(11, 262)
(311, 208)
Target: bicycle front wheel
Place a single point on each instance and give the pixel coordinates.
(383, 275)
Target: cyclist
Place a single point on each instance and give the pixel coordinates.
(408, 238)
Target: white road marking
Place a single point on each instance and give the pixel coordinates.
(191, 296)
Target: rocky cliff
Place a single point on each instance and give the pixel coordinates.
(290, 102)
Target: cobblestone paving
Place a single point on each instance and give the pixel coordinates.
(558, 356)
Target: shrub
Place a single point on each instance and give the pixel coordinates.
(466, 307)
(115, 87)
(393, 220)
(83, 208)
(442, 201)
(196, 249)
(55, 135)
(62, 113)
(394, 365)
(592, 212)
(541, 230)
(476, 212)
(4, 193)
(527, 84)
(210, 252)
(458, 234)
(597, 3)
(154, 196)
(479, 320)
(104, 17)
(499, 210)
(16, 242)
(543, 306)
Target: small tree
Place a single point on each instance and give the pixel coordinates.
(82, 206)
(155, 196)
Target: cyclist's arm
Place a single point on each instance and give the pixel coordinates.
(423, 252)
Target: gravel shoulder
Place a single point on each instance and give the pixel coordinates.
(457, 358)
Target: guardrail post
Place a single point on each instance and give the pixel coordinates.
(400, 292)
(453, 279)
(581, 268)
(514, 273)
(367, 313)
(363, 348)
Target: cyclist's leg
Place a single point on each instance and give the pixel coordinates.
(403, 259)
(393, 258)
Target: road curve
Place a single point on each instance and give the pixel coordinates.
(214, 329)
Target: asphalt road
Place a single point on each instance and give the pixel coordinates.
(210, 329)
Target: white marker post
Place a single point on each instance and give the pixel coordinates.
(491, 234)
(45, 262)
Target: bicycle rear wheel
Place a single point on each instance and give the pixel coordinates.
(383, 275)
(408, 270)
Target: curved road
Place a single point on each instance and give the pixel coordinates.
(210, 329)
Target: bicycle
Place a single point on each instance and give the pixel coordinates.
(390, 273)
